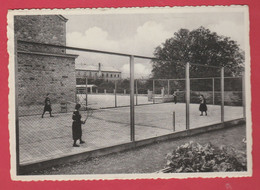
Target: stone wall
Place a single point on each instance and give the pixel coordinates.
(49, 29)
(43, 69)
(40, 74)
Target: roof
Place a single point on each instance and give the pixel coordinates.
(62, 18)
(95, 68)
(82, 64)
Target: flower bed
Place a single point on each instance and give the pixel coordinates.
(193, 157)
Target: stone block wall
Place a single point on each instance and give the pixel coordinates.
(30, 47)
(40, 74)
(43, 69)
(49, 29)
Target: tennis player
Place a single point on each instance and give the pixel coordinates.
(76, 126)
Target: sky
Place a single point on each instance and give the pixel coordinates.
(141, 33)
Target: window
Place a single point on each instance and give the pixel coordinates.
(118, 75)
(111, 75)
(107, 74)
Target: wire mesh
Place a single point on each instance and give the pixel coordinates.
(104, 96)
(233, 97)
(143, 91)
(45, 121)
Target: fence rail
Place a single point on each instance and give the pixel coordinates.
(132, 121)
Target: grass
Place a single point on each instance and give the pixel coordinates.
(147, 159)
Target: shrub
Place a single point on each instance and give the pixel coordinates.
(193, 157)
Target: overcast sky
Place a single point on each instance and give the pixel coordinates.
(141, 33)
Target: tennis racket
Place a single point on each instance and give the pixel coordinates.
(89, 113)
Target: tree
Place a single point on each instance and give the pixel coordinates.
(200, 46)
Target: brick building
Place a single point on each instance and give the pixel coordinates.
(43, 69)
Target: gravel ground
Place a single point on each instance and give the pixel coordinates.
(147, 159)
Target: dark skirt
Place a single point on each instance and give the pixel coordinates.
(203, 107)
(76, 130)
(47, 108)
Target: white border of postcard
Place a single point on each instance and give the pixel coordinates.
(11, 116)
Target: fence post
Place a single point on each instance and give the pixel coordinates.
(76, 92)
(115, 94)
(132, 111)
(168, 87)
(213, 91)
(173, 121)
(16, 110)
(222, 95)
(187, 76)
(153, 91)
(86, 93)
(136, 93)
(244, 94)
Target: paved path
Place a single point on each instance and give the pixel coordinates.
(48, 138)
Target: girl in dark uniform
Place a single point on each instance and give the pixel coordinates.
(76, 126)
(203, 105)
(174, 97)
(47, 106)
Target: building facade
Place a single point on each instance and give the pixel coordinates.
(43, 69)
(99, 72)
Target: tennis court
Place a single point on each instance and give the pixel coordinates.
(49, 138)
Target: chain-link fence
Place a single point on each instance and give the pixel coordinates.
(116, 106)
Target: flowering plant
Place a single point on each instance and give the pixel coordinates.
(193, 157)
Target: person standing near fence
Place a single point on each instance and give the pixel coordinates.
(174, 97)
(47, 106)
(203, 105)
(76, 126)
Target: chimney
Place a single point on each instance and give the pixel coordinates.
(99, 67)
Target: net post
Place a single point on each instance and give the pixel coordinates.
(173, 120)
(16, 109)
(136, 93)
(115, 94)
(243, 94)
(222, 94)
(213, 91)
(187, 76)
(86, 93)
(132, 112)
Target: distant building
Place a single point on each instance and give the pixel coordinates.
(99, 72)
(43, 69)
